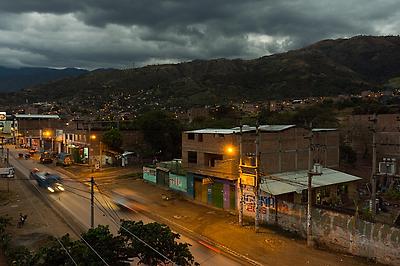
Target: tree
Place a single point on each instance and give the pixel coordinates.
(263, 116)
(117, 250)
(158, 236)
(111, 248)
(113, 139)
(347, 154)
(162, 132)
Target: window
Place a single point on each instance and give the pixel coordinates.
(200, 137)
(190, 135)
(192, 157)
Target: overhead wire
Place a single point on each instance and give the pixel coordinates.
(58, 240)
(79, 235)
(116, 223)
(136, 237)
(104, 197)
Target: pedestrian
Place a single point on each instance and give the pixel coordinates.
(22, 219)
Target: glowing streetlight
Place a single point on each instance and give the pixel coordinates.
(230, 150)
(93, 137)
(47, 133)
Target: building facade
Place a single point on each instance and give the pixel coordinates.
(211, 157)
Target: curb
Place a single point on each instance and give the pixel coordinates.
(231, 253)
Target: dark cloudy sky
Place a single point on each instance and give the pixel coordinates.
(126, 33)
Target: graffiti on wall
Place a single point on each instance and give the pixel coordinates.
(249, 202)
(178, 182)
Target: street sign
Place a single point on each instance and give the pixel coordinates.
(247, 179)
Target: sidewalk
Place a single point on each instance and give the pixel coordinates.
(268, 247)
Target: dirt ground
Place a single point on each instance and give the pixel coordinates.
(41, 221)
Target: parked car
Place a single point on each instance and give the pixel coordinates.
(7, 172)
(45, 157)
(64, 159)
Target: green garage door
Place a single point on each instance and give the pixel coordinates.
(218, 195)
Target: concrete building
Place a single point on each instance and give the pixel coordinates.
(38, 131)
(211, 157)
(83, 148)
(356, 131)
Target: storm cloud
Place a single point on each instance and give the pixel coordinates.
(127, 33)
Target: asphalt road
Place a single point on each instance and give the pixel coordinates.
(75, 202)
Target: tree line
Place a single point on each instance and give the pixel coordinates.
(149, 244)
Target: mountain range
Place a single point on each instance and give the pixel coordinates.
(328, 67)
(14, 79)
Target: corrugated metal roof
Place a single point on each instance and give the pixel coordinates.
(223, 131)
(282, 183)
(245, 128)
(323, 129)
(37, 116)
(275, 128)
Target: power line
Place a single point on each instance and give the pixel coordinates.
(78, 189)
(107, 202)
(69, 255)
(82, 196)
(105, 210)
(116, 223)
(112, 219)
(139, 239)
(37, 189)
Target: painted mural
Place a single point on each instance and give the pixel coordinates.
(149, 174)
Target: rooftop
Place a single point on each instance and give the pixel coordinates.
(323, 129)
(37, 116)
(288, 182)
(245, 128)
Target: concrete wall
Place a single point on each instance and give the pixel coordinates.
(343, 232)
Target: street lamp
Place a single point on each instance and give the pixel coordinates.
(47, 134)
(93, 137)
(230, 150)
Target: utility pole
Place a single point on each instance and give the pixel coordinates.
(373, 174)
(309, 190)
(90, 146)
(257, 185)
(91, 202)
(101, 153)
(240, 176)
(8, 165)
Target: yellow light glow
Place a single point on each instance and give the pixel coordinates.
(229, 149)
(47, 133)
(93, 137)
